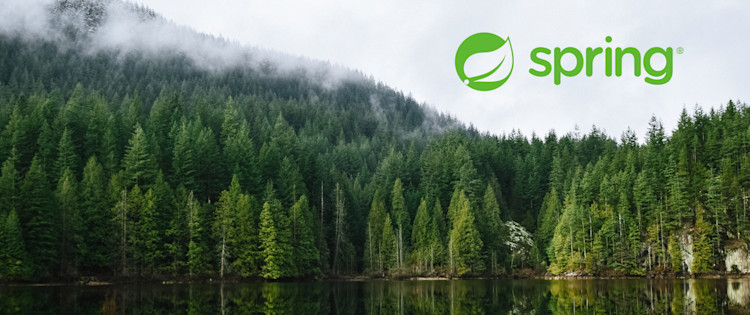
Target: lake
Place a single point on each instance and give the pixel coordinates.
(641, 296)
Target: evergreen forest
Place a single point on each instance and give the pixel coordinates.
(126, 164)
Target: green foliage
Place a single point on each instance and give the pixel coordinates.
(96, 238)
(675, 255)
(549, 217)
(14, 261)
(139, 164)
(702, 254)
(39, 220)
(421, 236)
(272, 249)
(153, 123)
(71, 228)
(466, 244)
(375, 222)
(305, 253)
(388, 246)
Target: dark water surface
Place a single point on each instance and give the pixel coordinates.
(636, 296)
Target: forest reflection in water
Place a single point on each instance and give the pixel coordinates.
(622, 296)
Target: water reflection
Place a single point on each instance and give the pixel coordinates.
(700, 296)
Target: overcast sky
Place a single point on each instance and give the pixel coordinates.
(411, 46)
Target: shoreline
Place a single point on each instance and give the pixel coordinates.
(364, 279)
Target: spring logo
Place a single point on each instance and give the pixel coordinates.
(484, 61)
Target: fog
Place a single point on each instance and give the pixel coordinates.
(122, 28)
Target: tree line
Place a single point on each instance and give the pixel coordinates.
(134, 166)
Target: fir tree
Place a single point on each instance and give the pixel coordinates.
(38, 219)
(70, 223)
(96, 235)
(273, 252)
(14, 260)
(388, 246)
(466, 244)
(305, 253)
(702, 260)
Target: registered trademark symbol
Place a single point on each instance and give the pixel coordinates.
(680, 50)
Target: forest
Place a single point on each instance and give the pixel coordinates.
(130, 166)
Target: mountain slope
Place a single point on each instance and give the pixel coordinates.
(137, 148)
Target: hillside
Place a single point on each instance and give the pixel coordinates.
(132, 147)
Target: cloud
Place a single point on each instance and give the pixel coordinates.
(411, 45)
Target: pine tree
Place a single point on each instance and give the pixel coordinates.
(66, 155)
(492, 230)
(9, 184)
(305, 253)
(208, 174)
(183, 163)
(38, 219)
(14, 261)
(675, 255)
(273, 252)
(388, 246)
(98, 114)
(453, 206)
(70, 223)
(343, 250)
(438, 231)
(223, 222)
(146, 238)
(139, 164)
(563, 240)
(549, 217)
(702, 256)
(466, 244)
(96, 236)
(241, 159)
(289, 182)
(198, 254)
(47, 146)
(420, 236)
(372, 259)
(110, 146)
(402, 218)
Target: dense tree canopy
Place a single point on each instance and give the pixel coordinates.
(139, 166)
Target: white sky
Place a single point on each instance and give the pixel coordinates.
(411, 45)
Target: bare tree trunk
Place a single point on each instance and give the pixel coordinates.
(450, 252)
(369, 237)
(191, 232)
(223, 255)
(570, 227)
(124, 219)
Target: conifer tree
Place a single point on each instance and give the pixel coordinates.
(9, 184)
(139, 164)
(466, 244)
(494, 234)
(38, 219)
(388, 246)
(372, 253)
(702, 260)
(305, 253)
(401, 217)
(273, 252)
(66, 155)
(70, 223)
(420, 236)
(96, 219)
(14, 260)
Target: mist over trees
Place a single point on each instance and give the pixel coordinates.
(130, 165)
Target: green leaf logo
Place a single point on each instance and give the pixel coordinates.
(484, 62)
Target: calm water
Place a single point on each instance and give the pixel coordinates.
(704, 296)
